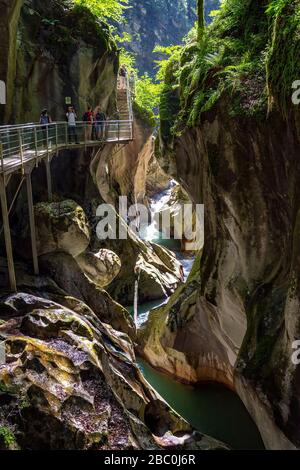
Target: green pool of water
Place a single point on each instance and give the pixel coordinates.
(210, 408)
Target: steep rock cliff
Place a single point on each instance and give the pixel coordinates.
(9, 18)
(241, 160)
(159, 22)
(55, 51)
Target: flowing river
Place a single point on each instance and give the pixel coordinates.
(210, 408)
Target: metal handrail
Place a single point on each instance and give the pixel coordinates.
(20, 143)
(24, 142)
(38, 125)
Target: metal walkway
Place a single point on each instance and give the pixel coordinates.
(30, 143)
(24, 147)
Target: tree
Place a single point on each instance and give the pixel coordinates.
(201, 19)
(111, 9)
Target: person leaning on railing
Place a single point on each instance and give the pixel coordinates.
(88, 119)
(45, 120)
(71, 118)
(99, 124)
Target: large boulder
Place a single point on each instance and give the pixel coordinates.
(75, 385)
(60, 226)
(101, 267)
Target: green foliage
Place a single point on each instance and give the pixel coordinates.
(124, 37)
(170, 53)
(283, 57)
(127, 59)
(147, 94)
(275, 7)
(7, 436)
(249, 53)
(105, 9)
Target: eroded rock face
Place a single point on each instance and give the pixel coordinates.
(128, 166)
(184, 343)
(60, 226)
(9, 18)
(67, 274)
(157, 180)
(67, 55)
(174, 211)
(74, 385)
(247, 177)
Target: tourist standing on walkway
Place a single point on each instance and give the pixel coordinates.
(88, 120)
(45, 120)
(122, 78)
(100, 119)
(71, 118)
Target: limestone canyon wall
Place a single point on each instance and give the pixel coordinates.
(236, 320)
(53, 51)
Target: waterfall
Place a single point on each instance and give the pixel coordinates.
(137, 272)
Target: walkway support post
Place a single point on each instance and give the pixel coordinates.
(1, 156)
(32, 223)
(36, 145)
(21, 149)
(66, 134)
(7, 236)
(48, 176)
(56, 137)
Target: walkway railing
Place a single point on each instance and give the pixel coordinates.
(22, 143)
(24, 146)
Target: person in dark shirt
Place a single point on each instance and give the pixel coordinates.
(100, 120)
(88, 119)
(45, 120)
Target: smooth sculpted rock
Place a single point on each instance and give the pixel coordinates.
(101, 267)
(160, 272)
(73, 384)
(60, 226)
(182, 343)
(68, 275)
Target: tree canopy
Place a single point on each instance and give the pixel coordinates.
(112, 9)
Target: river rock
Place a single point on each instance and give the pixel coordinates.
(76, 386)
(101, 267)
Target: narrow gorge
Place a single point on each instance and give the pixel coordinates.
(119, 331)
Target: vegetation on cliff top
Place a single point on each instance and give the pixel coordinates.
(60, 26)
(111, 9)
(250, 53)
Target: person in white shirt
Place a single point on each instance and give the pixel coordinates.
(71, 118)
